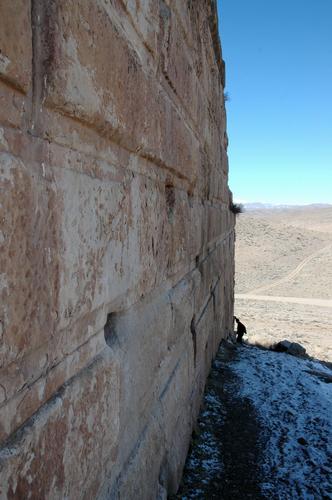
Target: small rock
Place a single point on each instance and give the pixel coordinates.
(296, 349)
(292, 348)
(282, 346)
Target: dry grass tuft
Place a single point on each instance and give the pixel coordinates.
(236, 208)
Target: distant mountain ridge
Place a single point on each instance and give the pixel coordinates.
(250, 207)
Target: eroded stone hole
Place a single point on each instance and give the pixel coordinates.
(170, 200)
(213, 296)
(190, 195)
(199, 264)
(110, 330)
(193, 335)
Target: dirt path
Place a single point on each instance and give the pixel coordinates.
(292, 300)
(291, 275)
(225, 460)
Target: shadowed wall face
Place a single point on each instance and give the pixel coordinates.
(117, 243)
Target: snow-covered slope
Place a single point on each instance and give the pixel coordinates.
(294, 400)
(265, 429)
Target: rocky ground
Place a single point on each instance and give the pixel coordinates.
(265, 429)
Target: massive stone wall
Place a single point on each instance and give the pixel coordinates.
(116, 263)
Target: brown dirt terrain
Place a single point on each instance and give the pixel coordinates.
(284, 277)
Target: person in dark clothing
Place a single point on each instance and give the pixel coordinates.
(241, 330)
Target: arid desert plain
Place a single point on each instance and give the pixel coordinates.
(284, 277)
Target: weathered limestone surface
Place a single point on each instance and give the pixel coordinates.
(116, 263)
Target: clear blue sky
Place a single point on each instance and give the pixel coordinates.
(278, 57)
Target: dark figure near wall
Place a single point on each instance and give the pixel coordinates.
(241, 330)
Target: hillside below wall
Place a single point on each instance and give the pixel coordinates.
(117, 242)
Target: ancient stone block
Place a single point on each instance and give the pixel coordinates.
(29, 258)
(12, 110)
(69, 443)
(117, 243)
(81, 85)
(16, 43)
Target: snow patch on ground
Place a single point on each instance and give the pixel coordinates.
(295, 406)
